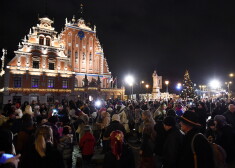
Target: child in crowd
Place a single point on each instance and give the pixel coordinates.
(87, 144)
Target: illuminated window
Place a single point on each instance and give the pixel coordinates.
(48, 41)
(51, 66)
(35, 82)
(64, 84)
(17, 82)
(41, 40)
(50, 83)
(36, 64)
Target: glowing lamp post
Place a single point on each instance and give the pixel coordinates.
(231, 75)
(167, 83)
(178, 86)
(130, 81)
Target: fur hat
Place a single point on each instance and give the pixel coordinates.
(116, 117)
(190, 118)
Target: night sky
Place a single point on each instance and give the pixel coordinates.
(139, 36)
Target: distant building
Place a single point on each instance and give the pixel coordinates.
(49, 66)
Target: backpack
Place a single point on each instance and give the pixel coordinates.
(219, 154)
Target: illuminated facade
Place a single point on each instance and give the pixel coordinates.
(49, 66)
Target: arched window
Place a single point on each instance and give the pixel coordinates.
(41, 40)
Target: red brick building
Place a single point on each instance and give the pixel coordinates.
(49, 66)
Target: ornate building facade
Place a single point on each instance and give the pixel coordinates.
(49, 66)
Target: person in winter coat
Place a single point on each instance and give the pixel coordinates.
(230, 116)
(87, 145)
(43, 153)
(121, 110)
(148, 138)
(173, 144)
(120, 155)
(225, 138)
(196, 151)
(202, 116)
(65, 146)
(160, 113)
(114, 125)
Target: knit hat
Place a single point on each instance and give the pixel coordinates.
(169, 121)
(190, 118)
(116, 141)
(116, 117)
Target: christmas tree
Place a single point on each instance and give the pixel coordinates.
(188, 89)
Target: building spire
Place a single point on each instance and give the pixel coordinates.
(81, 10)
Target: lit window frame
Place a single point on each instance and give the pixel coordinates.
(35, 83)
(50, 83)
(65, 84)
(17, 82)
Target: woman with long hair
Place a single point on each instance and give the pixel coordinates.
(43, 152)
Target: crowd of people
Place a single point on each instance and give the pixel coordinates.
(171, 134)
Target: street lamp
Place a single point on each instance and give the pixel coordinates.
(130, 81)
(167, 83)
(231, 75)
(178, 86)
(228, 84)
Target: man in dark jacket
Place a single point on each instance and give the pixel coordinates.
(172, 145)
(196, 150)
(230, 116)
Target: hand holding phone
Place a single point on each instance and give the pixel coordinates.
(5, 156)
(15, 160)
